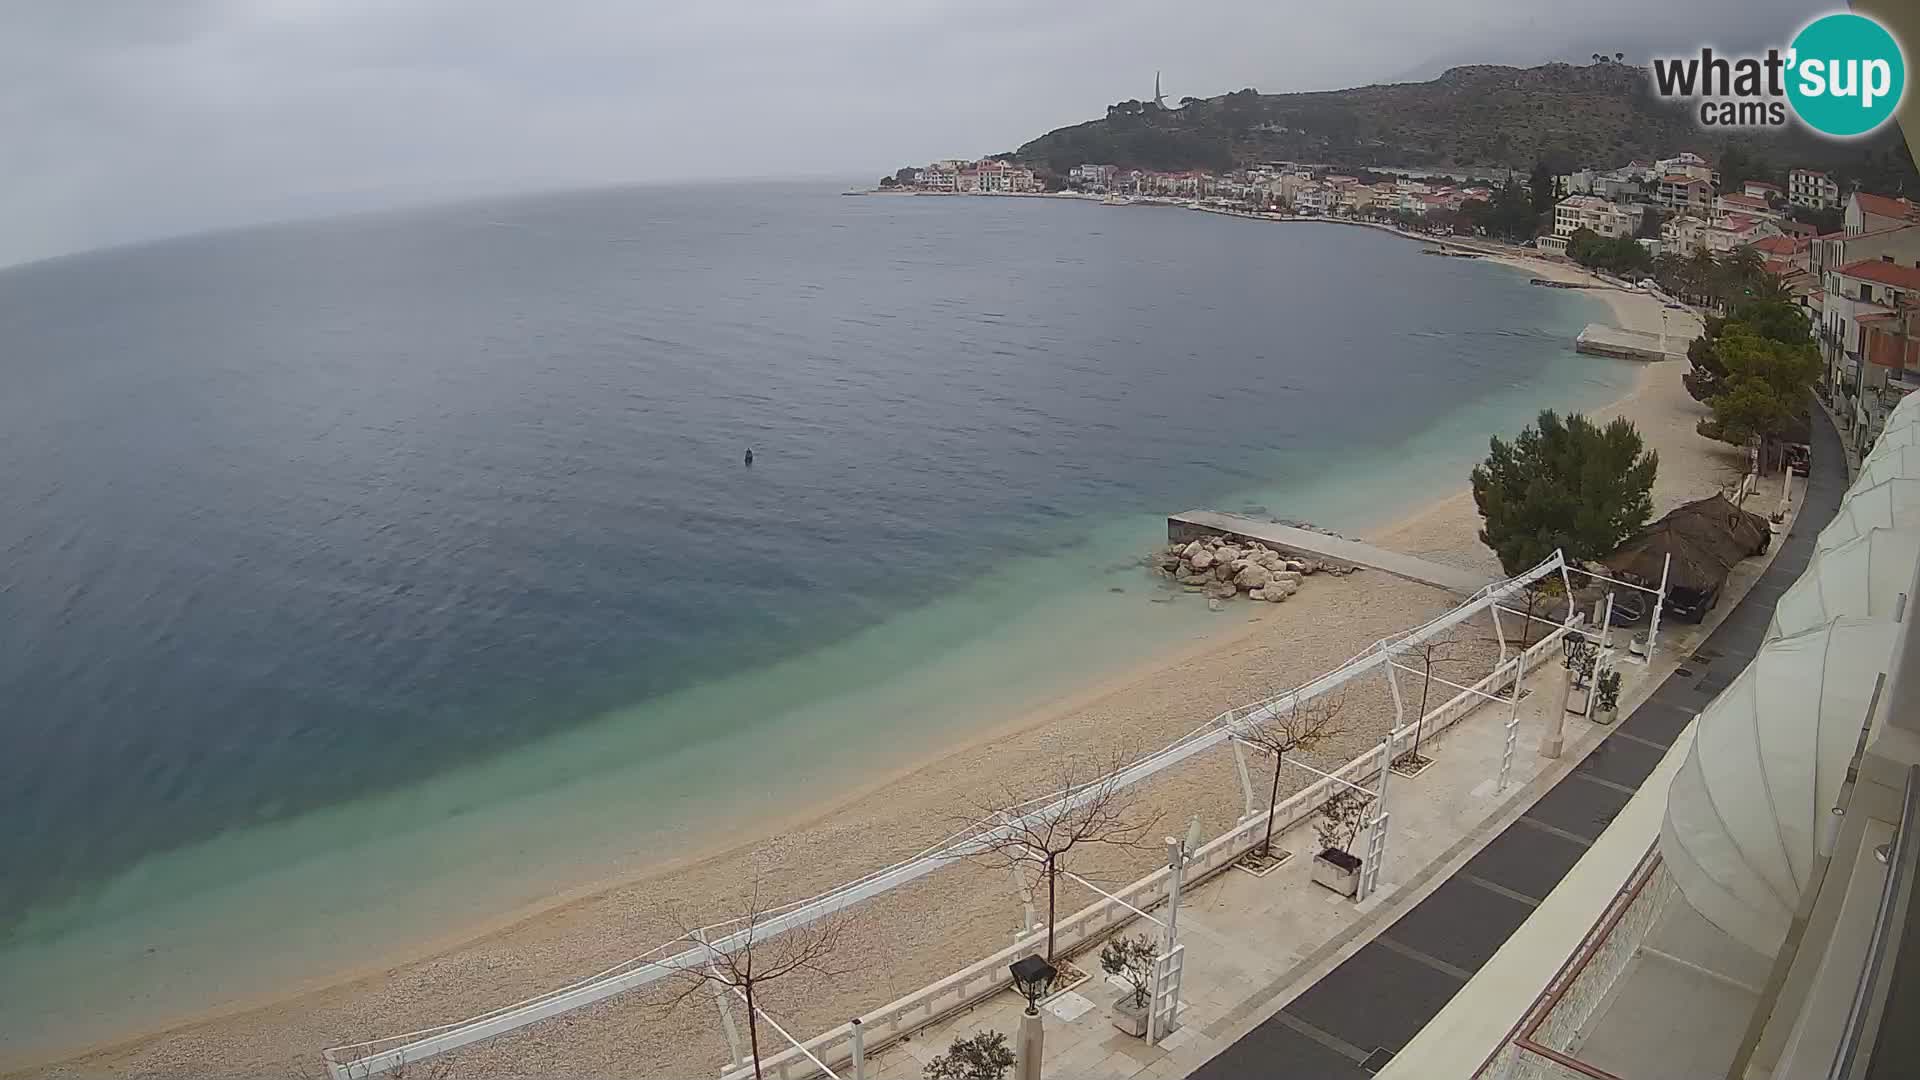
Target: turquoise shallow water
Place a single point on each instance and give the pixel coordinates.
(437, 582)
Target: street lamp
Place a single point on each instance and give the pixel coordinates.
(1033, 977)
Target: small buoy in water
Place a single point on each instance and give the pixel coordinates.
(749, 457)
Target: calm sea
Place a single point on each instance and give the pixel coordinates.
(395, 569)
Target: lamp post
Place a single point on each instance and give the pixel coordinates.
(1033, 977)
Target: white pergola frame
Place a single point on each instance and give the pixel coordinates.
(360, 1061)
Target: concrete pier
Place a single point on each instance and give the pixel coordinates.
(1330, 550)
(1599, 339)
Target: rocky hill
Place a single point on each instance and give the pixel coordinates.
(1470, 117)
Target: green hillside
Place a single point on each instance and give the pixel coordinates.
(1471, 117)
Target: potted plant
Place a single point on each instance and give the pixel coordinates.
(1131, 960)
(982, 1056)
(1340, 819)
(1606, 697)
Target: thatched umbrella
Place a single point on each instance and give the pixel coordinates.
(1705, 538)
(1732, 532)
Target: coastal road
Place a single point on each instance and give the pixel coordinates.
(1351, 1022)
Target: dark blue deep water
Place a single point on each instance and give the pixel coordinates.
(294, 515)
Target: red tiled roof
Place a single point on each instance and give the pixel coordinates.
(1680, 178)
(1761, 184)
(1777, 245)
(1753, 201)
(1886, 273)
(1882, 206)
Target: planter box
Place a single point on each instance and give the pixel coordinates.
(1129, 1018)
(1338, 871)
(1604, 716)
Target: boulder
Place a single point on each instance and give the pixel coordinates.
(1194, 579)
(1223, 571)
(1223, 591)
(1275, 596)
(1251, 577)
(1257, 594)
(1284, 575)
(1192, 549)
(1200, 560)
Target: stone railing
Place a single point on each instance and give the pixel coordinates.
(984, 978)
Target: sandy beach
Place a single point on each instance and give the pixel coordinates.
(943, 922)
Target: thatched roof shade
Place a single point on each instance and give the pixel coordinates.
(1706, 538)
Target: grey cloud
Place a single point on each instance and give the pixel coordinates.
(127, 119)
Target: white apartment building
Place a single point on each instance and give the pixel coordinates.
(1810, 188)
(1576, 212)
(1689, 165)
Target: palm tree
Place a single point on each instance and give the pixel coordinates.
(1701, 268)
(1619, 57)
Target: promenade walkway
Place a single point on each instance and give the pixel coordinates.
(1285, 979)
(1348, 1025)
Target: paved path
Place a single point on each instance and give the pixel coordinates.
(1349, 1024)
(1335, 549)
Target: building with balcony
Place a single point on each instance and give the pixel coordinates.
(1091, 177)
(1813, 189)
(1683, 194)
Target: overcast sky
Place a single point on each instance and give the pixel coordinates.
(123, 120)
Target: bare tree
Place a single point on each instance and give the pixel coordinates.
(1299, 725)
(763, 956)
(1088, 806)
(1440, 650)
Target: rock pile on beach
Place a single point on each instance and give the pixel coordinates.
(1223, 568)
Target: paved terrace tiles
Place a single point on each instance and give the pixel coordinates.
(1349, 1024)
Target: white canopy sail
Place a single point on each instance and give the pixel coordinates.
(1888, 463)
(1864, 576)
(1893, 438)
(1906, 413)
(1768, 759)
(1890, 504)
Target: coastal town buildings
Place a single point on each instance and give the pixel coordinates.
(1683, 193)
(1864, 332)
(1098, 178)
(1689, 165)
(1870, 213)
(1750, 205)
(1812, 189)
(1576, 212)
